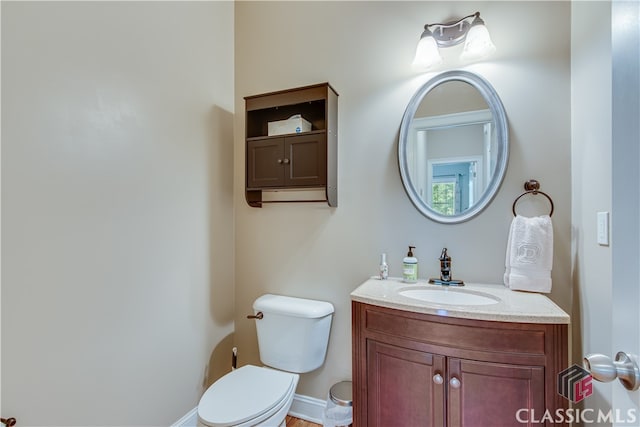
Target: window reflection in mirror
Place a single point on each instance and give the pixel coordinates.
(453, 186)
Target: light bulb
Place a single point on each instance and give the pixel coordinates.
(427, 53)
(478, 43)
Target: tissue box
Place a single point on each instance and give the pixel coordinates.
(294, 124)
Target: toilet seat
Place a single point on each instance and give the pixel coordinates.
(247, 395)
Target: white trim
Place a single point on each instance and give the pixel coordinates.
(308, 408)
(190, 419)
(304, 407)
(464, 118)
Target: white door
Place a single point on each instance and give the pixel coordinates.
(626, 192)
(625, 219)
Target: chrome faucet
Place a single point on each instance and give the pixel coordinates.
(445, 272)
(445, 266)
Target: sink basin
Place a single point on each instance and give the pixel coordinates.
(450, 296)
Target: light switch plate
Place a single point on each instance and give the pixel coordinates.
(603, 228)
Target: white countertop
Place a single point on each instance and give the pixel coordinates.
(514, 306)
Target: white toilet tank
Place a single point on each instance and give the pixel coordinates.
(293, 333)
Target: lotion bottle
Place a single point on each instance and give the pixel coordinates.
(410, 267)
(384, 267)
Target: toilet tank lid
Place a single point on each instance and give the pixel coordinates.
(291, 306)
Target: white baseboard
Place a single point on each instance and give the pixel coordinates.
(307, 408)
(190, 419)
(304, 407)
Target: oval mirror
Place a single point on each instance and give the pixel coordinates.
(453, 146)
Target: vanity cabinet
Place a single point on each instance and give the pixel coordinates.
(294, 161)
(416, 369)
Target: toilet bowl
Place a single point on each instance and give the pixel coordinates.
(248, 396)
(293, 335)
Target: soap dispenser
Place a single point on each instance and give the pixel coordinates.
(410, 267)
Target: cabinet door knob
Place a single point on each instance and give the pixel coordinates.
(454, 382)
(279, 161)
(437, 378)
(286, 161)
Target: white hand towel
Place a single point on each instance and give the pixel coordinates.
(529, 256)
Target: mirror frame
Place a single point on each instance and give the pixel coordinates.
(502, 135)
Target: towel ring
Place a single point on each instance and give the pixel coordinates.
(532, 187)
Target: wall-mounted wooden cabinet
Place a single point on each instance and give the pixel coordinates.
(306, 160)
(414, 369)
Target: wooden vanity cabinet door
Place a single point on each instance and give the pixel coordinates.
(306, 160)
(490, 394)
(401, 390)
(265, 166)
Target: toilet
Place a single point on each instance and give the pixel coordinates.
(293, 334)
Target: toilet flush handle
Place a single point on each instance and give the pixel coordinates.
(258, 316)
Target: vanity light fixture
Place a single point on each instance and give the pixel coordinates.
(477, 43)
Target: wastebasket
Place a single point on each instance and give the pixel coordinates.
(339, 409)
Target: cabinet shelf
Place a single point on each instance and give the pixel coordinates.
(311, 132)
(292, 161)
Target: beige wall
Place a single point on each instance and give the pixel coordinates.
(591, 184)
(364, 49)
(117, 216)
